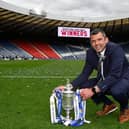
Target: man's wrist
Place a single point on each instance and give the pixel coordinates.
(94, 90)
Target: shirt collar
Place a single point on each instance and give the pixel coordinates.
(103, 52)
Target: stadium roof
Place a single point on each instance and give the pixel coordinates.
(20, 20)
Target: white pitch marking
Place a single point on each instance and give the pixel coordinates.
(46, 77)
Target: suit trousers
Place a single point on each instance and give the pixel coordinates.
(119, 91)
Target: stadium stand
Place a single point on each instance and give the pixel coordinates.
(31, 49)
(22, 49)
(6, 54)
(78, 52)
(47, 49)
(68, 51)
(11, 51)
(63, 51)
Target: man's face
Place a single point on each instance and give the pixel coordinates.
(98, 42)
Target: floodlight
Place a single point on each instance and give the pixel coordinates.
(37, 12)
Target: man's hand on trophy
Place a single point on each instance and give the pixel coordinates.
(61, 87)
(86, 93)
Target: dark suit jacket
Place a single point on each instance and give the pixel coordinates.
(115, 67)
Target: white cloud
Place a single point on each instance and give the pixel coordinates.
(77, 8)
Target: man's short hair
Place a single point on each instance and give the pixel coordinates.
(98, 30)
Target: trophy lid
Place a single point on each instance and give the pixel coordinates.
(68, 87)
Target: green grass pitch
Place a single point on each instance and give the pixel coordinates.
(25, 88)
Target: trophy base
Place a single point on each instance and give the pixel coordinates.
(67, 122)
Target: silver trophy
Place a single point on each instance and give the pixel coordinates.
(67, 99)
(71, 101)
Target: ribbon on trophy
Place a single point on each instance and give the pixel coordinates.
(67, 100)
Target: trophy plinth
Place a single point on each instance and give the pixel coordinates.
(67, 100)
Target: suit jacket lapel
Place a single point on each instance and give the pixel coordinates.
(107, 59)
